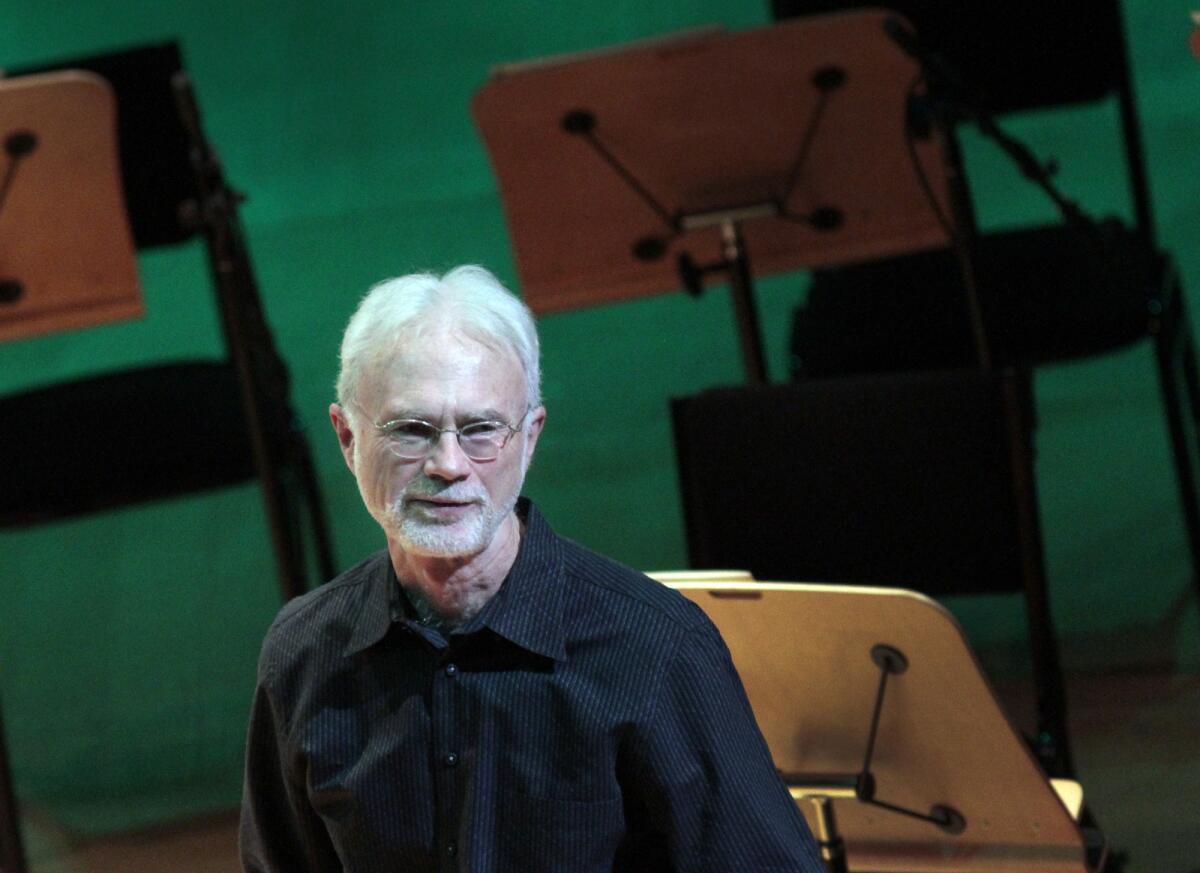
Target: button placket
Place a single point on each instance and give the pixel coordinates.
(446, 738)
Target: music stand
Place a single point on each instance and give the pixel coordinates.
(66, 252)
(872, 702)
(639, 170)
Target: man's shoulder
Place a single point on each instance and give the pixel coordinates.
(634, 590)
(313, 614)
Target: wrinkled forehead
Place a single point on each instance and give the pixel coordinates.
(444, 360)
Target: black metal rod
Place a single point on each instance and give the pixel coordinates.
(865, 773)
(962, 220)
(10, 174)
(1135, 153)
(1052, 740)
(318, 522)
(1035, 171)
(641, 190)
(741, 286)
(821, 788)
(911, 813)
(810, 136)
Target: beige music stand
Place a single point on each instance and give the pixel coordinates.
(66, 252)
(805, 655)
(767, 127)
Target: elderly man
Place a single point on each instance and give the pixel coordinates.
(485, 695)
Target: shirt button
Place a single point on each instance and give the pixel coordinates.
(451, 849)
(452, 669)
(450, 759)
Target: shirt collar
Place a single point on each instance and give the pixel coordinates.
(375, 614)
(527, 610)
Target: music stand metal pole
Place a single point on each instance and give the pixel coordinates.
(741, 286)
(734, 261)
(829, 841)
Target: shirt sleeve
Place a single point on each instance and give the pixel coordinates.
(704, 775)
(280, 832)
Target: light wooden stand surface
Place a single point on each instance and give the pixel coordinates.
(708, 121)
(64, 232)
(804, 655)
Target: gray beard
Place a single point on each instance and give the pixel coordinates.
(421, 537)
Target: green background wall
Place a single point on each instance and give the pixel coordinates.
(128, 640)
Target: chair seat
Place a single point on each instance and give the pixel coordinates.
(1049, 294)
(122, 438)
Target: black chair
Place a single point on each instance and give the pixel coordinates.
(201, 424)
(1047, 293)
(176, 427)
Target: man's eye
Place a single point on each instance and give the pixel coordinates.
(411, 430)
(482, 429)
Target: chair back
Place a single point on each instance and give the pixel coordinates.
(1025, 55)
(899, 480)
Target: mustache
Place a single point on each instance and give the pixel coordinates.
(423, 486)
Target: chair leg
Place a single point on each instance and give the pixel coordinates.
(295, 512)
(301, 514)
(318, 523)
(282, 518)
(1052, 742)
(1175, 351)
(12, 853)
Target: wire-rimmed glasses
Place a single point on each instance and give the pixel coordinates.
(413, 439)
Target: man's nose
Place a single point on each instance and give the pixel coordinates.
(446, 459)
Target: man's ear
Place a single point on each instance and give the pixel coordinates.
(537, 420)
(345, 435)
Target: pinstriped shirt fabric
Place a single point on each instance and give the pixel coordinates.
(587, 719)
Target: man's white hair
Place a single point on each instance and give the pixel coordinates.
(396, 311)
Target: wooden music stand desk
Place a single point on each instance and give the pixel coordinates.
(810, 659)
(637, 170)
(66, 253)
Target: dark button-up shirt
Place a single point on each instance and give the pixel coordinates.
(587, 719)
